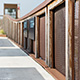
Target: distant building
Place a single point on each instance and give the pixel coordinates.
(12, 10)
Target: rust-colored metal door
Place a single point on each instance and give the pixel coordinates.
(78, 43)
(77, 40)
(59, 38)
(23, 34)
(19, 33)
(12, 30)
(42, 37)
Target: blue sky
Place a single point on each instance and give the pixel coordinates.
(25, 5)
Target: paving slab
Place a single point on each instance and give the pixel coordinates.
(4, 42)
(15, 64)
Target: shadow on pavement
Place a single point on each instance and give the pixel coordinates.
(5, 43)
(20, 74)
(12, 52)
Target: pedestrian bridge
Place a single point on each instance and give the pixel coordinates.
(50, 32)
(15, 64)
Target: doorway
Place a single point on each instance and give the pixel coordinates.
(59, 38)
(42, 36)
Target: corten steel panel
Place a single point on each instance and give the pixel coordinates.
(76, 40)
(15, 31)
(79, 40)
(9, 28)
(19, 33)
(33, 46)
(42, 37)
(12, 29)
(59, 24)
(28, 40)
(23, 34)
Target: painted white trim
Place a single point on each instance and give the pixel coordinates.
(55, 4)
(66, 39)
(36, 37)
(48, 35)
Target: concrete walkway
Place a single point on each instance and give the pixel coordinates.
(17, 65)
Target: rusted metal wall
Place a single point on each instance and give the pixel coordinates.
(42, 37)
(28, 40)
(11, 29)
(59, 38)
(19, 33)
(76, 39)
(23, 34)
(1, 23)
(79, 42)
(8, 28)
(15, 32)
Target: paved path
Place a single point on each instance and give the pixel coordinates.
(17, 65)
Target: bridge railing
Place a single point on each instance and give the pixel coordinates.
(1, 21)
(14, 30)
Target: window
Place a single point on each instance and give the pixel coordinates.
(11, 12)
(25, 24)
(31, 22)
